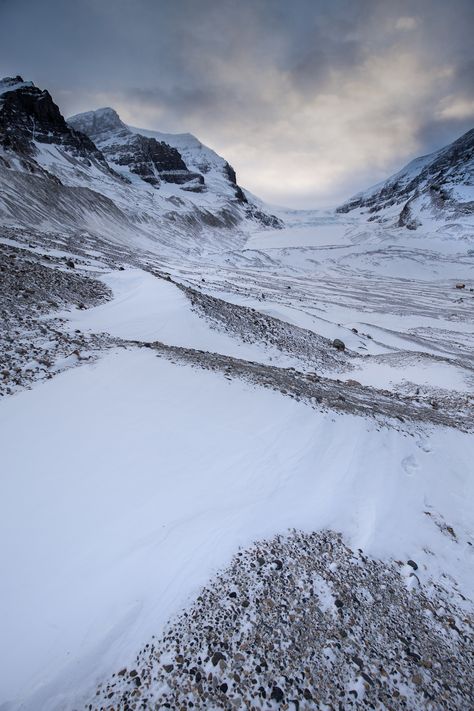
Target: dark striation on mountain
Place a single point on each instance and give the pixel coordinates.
(29, 115)
(433, 185)
(152, 160)
(239, 193)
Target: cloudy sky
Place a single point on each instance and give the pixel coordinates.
(310, 100)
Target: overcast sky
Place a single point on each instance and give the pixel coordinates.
(309, 100)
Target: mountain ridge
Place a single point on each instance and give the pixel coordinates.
(423, 188)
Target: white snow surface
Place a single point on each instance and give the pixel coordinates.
(142, 477)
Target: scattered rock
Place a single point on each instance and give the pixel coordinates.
(339, 345)
(277, 694)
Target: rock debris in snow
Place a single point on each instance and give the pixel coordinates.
(301, 621)
(30, 288)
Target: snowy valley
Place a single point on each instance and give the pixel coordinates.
(237, 440)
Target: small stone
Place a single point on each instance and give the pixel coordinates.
(277, 694)
(216, 658)
(168, 668)
(412, 564)
(338, 344)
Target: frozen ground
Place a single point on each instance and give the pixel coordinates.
(198, 405)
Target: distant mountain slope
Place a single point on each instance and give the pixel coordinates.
(141, 186)
(438, 186)
(135, 155)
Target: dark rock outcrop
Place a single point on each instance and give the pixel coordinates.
(28, 115)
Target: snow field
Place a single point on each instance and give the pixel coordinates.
(140, 478)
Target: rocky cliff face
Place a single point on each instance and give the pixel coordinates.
(439, 185)
(129, 146)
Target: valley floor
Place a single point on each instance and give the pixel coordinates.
(205, 504)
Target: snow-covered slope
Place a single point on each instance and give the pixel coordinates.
(437, 187)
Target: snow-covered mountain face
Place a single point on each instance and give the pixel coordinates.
(135, 155)
(155, 157)
(438, 187)
(137, 186)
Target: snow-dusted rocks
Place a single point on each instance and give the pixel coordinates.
(306, 622)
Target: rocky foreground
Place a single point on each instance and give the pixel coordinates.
(303, 622)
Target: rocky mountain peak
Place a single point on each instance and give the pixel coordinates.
(29, 116)
(12, 83)
(97, 123)
(151, 160)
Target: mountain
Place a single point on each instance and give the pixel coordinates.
(157, 157)
(439, 186)
(135, 185)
